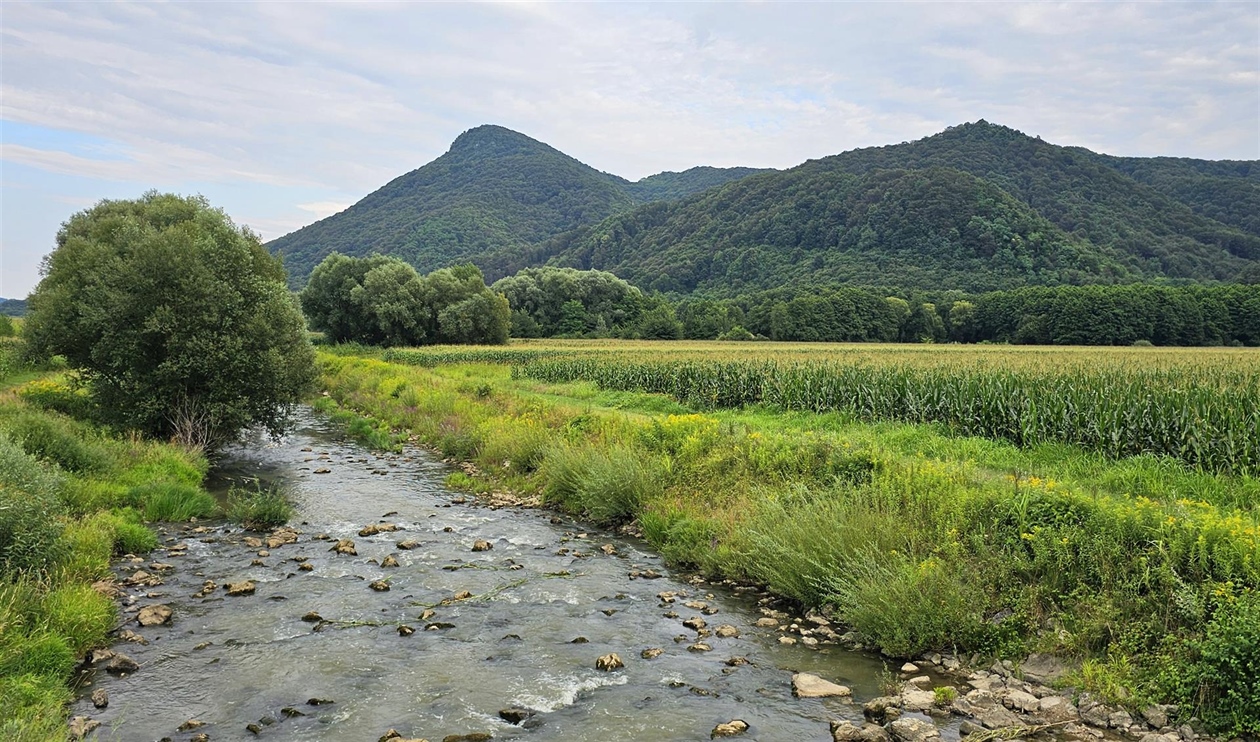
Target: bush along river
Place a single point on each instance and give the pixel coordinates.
(392, 606)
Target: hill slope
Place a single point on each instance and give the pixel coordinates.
(495, 190)
(976, 207)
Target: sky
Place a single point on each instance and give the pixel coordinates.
(283, 113)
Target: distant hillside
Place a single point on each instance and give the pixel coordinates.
(494, 191)
(13, 307)
(977, 207)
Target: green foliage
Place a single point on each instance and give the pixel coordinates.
(383, 301)
(7, 328)
(259, 509)
(172, 501)
(1207, 419)
(489, 199)
(179, 320)
(605, 486)
(1229, 667)
(30, 526)
(133, 538)
(59, 441)
(563, 301)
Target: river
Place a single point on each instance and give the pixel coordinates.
(549, 598)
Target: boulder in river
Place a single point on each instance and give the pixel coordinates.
(807, 685)
(407, 544)
(914, 730)
(375, 528)
(82, 726)
(726, 631)
(393, 736)
(695, 623)
(190, 725)
(379, 586)
(729, 729)
(405, 630)
(154, 615)
(312, 617)
(100, 698)
(482, 545)
(245, 587)
(474, 737)
(652, 653)
(515, 714)
(121, 664)
(345, 546)
(389, 561)
(609, 662)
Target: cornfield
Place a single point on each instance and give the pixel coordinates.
(1207, 417)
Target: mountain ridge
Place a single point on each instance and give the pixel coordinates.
(977, 206)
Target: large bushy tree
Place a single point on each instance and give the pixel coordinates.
(380, 300)
(179, 320)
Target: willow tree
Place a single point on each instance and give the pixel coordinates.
(179, 321)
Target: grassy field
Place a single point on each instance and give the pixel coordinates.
(1134, 553)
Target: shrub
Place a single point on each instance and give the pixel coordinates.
(57, 441)
(260, 509)
(1229, 667)
(30, 532)
(134, 538)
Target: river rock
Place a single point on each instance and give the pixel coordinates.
(121, 664)
(107, 587)
(474, 737)
(306, 566)
(190, 725)
(695, 623)
(914, 698)
(699, 647)
(154, 615)
(389, 561)
(461, 595)
(1056, 710)
(393, 736)
(651, 654)
(737, 661)
(1042, 668)
(345, 546)
(913, 730)
(127, 635)
(1157, 715)
(481, 545)
(375, 528)
(847, 731)
(766, 623)
(729, 729)
(405, 630)
(806, 685)
(100, 698)
(82, 726)
(787, 640)
(281, 536)
(245, 587)
(883, 709)
(1018, 700)
(380, 586)
(609, 662)
(909, 668)
(408, 544)
(199, 737)
(984, 707)
(515, 715)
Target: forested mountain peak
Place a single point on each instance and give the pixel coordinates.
(977, 206)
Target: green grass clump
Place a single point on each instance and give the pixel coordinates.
(61, 442)
(605, 486)
(172, 501)
(259, 509)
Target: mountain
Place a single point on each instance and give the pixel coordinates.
(976, 207)
(494, 191)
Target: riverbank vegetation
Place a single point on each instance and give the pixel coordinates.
(1140, 567)
(72, 497)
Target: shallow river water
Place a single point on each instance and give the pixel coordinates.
(518, 642)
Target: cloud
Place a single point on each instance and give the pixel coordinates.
(308, 106)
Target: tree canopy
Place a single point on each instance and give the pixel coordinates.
(179, 320)
(380, 300)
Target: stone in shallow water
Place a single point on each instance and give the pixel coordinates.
(245, 587)
(807, 685)
(379, 586)
(480, 545)
(653, 653)
(729, 729)
(100, 698)
(609, 662)
(154, 615)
